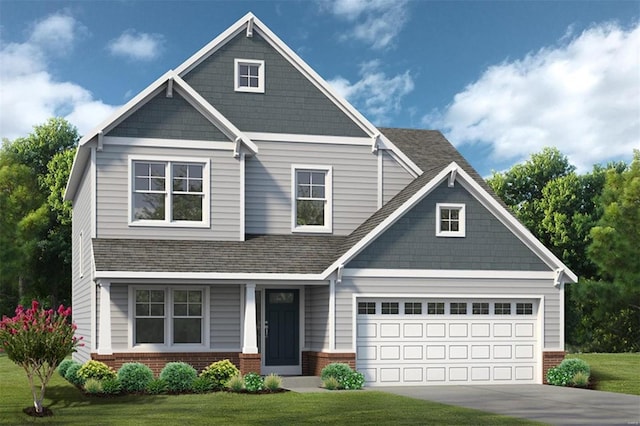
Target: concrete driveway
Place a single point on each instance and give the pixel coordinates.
(548, 404)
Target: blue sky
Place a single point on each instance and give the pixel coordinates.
(500, 79)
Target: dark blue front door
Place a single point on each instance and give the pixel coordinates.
(282, 313)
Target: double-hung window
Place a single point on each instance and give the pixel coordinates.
(312, 193)
(450, 220)
(249, 75)
(169, 316)
(170, 193)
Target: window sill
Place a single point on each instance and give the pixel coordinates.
(159, 224)
(312, 230)
(450, 235)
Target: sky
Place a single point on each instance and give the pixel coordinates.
(501, 79)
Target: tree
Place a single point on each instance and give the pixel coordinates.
(35, 235)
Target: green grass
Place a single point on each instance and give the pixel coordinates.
(614, 372)
(71, 407)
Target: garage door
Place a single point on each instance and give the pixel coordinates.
(447, 341)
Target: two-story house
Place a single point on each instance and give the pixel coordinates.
(239, 208)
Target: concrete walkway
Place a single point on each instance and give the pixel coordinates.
(548, 404)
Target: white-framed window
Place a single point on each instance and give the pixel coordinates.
(311, 208)
(458, 308)
(412, 308)
(480, 308)
(390, 308)
(502, 308)
(435, 308)
(450, 220)
(169, 192)
(169, 317)
(524, 308)
(249, 75)
(366, 308)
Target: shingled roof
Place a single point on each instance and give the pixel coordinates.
(280, 254)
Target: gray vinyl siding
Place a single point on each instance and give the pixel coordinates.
(317, 318)
(168, 118)
(225, 317)
(268, 184)
(82, 285)
(120, 340)
(464, 288)
(113, 192)
(411, 242)
(394, 177)
(290, 103)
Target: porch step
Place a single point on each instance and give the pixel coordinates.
(303, 384)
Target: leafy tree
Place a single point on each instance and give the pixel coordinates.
(35, 246)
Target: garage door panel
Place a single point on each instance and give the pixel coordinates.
(366, 352)
(458, 352)
(436, 330)
(367, 330)
(413, 330)
(524, 330)
(390, 352)
(413, 352)
(480, 330)
(436, 351)
(502, 330)
(480, 374)
(390, 330)
(458, 330)
(480, 351)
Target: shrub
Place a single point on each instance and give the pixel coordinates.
(96, 370)
(202, 385)
(343, 374)
(580, 380)
(72, 375)
(575, 365)
(565, 373)
(253, 382)
(273, 382)
(62, 368)
(236, 383)
(156, 387)
(353, 381)
(220, 372)
(331, 383)
(93, 386)
(111, 386)
(179, 376)
(134, 376)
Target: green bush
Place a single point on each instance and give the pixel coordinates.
(134, 376)
(273, 382)
(331, 383)
(343, 374)
(156, 387)
(96, 370)
(93, 386)
(72, 375)
(179, 376)
(220, 372)
(570, 372)
(111, 386)
(62, 368)
(202, 385)
(253, 382)
(236, 383)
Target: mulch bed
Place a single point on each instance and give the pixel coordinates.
(31, 411)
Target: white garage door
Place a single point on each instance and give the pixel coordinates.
(447, 341)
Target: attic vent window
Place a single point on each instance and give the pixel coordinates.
(249, 76)
(450, 220)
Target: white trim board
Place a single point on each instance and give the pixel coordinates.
(169, 143)
(446, 273)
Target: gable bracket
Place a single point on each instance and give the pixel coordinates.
(374, 142)
(340, 273)
(169, 93)
(558, 279)
(250, 27)
(100, 140)
(452, 177)
(236, 147)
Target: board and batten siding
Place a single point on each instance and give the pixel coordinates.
(454, 287)
(316, 318)
(394, 177)
(268, 184)
(113, 191)
(82, 285)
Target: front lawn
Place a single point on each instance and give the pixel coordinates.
(614, 372)
(70, 407)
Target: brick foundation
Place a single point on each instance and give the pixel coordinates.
(313, 362)
(550, 359)
(157, 361)
(249, 363)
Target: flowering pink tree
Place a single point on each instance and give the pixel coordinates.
(38, 340)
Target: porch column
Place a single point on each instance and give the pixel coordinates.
(104, 342)
(250, 343)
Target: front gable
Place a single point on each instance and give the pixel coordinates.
(290, 104)
(411, 242)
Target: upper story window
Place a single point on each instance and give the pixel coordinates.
(311, 209)
(450, 220)
(169, 193)
(249, 75)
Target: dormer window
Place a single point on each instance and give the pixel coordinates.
(249, 75)
(450, 220)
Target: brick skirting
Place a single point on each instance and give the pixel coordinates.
(313, 362)
(550, 359)
(157, 360)
(249, 363)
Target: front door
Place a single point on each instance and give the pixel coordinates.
(282, 327)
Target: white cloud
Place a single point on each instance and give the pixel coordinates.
(376, 94)
(581, 96)
(30, 94)
(138, 46)
(376, 22)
